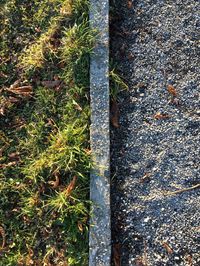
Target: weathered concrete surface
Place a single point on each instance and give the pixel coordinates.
(100, 228)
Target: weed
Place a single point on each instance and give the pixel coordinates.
(117, 83)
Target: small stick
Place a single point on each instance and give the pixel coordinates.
(182, 190)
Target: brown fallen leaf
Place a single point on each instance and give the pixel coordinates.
(115, 114)
(196, 228)
(161, 116)
(77, 106)
(55, 183)
(3, 166)
(145, 178)
(51, 84)
(3, 235)
(15, 84)
(71, 186)
(142, 260)
(3, 75)
(29, 260)
(66, 10)
(125, 32)
(4, 105)
(2, 110)
(22, 91)
(50, 122)
(139, 262)
(117, 254)
(80, 227)
(30, 251)
(14, 156)
(172, 90)
(129, 4)
(131, 56)
(13, 99)
(123, 49)
(37, 29)
(2, 149)
(119, 33)
(175, 101)
(88, 151)
(1, 152)
(167, 247)
(18, 123)
(189, 260)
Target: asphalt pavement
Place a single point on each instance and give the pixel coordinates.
(155, 152)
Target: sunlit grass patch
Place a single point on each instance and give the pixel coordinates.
(44, 137)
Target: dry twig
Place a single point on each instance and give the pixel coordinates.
(182, 190)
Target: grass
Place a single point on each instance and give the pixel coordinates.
(44, 132)
(117, 83)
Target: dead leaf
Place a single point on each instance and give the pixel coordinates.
(66, 10)
(13, 99)
(3, 235)
(123, 49)
(18, 123)
(167, 247)
(37, 29)
(4, 105)
(115, 114)
(71, 186)
(131, 56)
(119, 33)
(189, 260)
(51, 84)
(1, 152)
(161, 116)
(130, 4)
(139, 262)
(29, 261)
(30, 251)
(15, 84)
(196, 228)
(2, 149)
(3, 75)
(172, 90)
(55, 183)
(3, 166)
(22, 91)
(2, 110)
(14, 156)
(117, 254)
(142, 260)
(145, 178)
(175, 101)
(80, 227)
(88, 151)
(77, 106)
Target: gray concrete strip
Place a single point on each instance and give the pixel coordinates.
(100, 224)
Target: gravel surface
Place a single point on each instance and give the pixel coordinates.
(156, 150)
